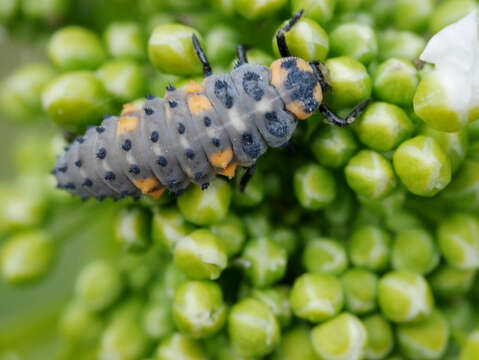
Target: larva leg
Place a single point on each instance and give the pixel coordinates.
(322, 73)
(334, 119)
(202, 56)
(247, 177)
(241, 52)
(281, 35)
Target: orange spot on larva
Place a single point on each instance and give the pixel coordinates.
(129, 109)
(278, 74)
(318, 93)
(193, 87)
(127, 123)
(297, 108)
(229, 171)
(156, 194)
(303, 65)
(198, 103)
(221, 159)
(146, 185)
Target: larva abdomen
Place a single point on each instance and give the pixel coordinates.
(186, 137)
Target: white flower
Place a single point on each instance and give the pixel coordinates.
(455, 53)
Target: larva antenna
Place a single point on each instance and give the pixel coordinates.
(281, 35)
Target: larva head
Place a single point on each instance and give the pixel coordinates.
(298, 84)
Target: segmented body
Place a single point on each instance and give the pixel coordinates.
(192, 134)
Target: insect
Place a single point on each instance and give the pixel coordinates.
(191, 135)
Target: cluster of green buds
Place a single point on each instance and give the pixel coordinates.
(356, 243)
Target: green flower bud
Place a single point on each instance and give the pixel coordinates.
(172, 279)
(334, 146)
(221, 43)
(123, 79)
(359, 288)
(307, 40)
(231, 232)
(252, 195)
(20, 93)
(126, 40)
(448, 281)
(314, 187)
(257, 224)
(455, 145)
(325, 255)
(345, 6)
(169, 227)
(343, 337)
(132, 229)
(463, 191)
(277, 299)
(253, 329)
(198, 308)
(98, 285)
(78, 325)
(461, 317)
(124, 338)
(412, 15)
(422, 166)
(369, 247)
(470, 351)
(355, 40)
(200, 255)
(414, 249)
(224, 7)
(369, 174)
(459, 240)
(206, 207)
(8, 9)
(286, 239)
(321, 11)
(398, 220)
(380, 337)
(48, 11)
(383, 126)
(295, 345)
(76, 48)
(350, 82)
(258, 56)
(265, 262)
(253, 9)
(170, 49)
(316, 297)
(424, 340)
(341, 210)
(179, 346)
(75, 100)
(438, 103)
(405, 296)
(400, 44)
(395, 81)
(448, 12)
(157, 320)
(26, 256)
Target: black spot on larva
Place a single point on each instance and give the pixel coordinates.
(275, 126)
(101, 197)
(134, 169)
(172, 103)
(70, 186)
(205, 186)
(80, 139)
(250, 146)
(181, 128)
(66, 148)
(190, 154)
(100, 129)
(123, 194)
(149, 97)
(216, 142)
(161, 160)
(288, 63)
(87, 182)
(223, 93)
(171, 183)
(198, 175)
(154, 136)
(301, 86)
(126, 145)
(78, 163)
(149, 111)
(63, 169)
(170, 88)
(110, 176)
(101, 154)
(207, 121)
(251, 86)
